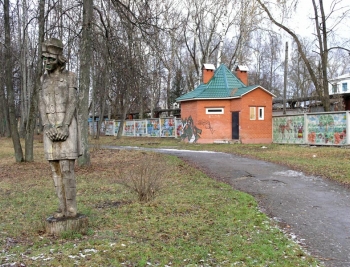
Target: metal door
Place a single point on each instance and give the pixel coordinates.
(235, 125)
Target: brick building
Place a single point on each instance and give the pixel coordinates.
(224, 108)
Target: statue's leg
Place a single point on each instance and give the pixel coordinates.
(57, 178)
(67, 169)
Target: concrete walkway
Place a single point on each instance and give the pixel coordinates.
(315, 210)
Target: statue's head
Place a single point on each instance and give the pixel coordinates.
(52, 54)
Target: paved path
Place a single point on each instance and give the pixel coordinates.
(316, 210)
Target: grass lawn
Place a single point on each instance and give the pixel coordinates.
(325, 161)
(193, 220)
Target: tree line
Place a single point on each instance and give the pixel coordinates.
(136, 56)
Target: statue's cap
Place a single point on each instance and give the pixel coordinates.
(52, 46)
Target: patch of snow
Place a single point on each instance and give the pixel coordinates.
(289, 173)
(184, 150)
(90, 250)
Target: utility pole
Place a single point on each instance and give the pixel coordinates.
(285, 79)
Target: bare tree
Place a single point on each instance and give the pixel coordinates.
(84, 80)
(266, 55)
(319, 76)
(9, 85)
(33, 104)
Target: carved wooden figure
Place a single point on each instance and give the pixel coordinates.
(57, 104)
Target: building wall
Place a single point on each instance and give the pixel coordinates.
(218, 127)
(209, 127)
(256, 131)
(340, 85)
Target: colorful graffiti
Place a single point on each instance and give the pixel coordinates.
(153, 127)
(168, 127)
(109, 127)
(289, 130)
(140, 128)
(129, 128)
(190, 131)
(327, 129)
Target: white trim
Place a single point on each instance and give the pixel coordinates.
(214, 110)
(262, 115)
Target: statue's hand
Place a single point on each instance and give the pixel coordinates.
(50, 131)
(62, 132)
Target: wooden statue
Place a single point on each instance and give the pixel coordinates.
(57, 104)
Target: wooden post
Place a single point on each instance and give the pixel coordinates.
(285, 79)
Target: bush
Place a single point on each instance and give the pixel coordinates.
(145, 177)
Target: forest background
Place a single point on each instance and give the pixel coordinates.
(139, 55)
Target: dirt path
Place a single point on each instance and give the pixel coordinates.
(315, 210)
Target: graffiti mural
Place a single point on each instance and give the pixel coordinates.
(141, 128)
(289, 130)
(168, 127)
(129, 128)
(327, 129)
(153, 127)
(109, 127)
(178, 127)
(190, 131)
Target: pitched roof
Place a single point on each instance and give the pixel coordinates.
(223, 84)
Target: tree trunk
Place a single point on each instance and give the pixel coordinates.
(320, 81)
(9, 85)
(84, 81)
(4, 114)
(33, 106)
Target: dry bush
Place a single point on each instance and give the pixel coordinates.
(146, 177)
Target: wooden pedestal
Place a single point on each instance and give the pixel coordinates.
(56, 226)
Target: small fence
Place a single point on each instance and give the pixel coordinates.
(329, 128)
(162, 127)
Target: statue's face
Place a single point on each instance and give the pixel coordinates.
(50, 62)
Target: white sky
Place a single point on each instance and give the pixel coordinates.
(303, 25)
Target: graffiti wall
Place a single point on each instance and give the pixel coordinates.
(109, 125)
(141, 128)
(288, 129)
(327, 129)
(190, 132)
(168, 127)
(153, 127)
(312, 128)
(129, 128)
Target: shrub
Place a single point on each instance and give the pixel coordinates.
(145, 177)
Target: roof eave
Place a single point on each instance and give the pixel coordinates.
(209, 98)
(258, 86)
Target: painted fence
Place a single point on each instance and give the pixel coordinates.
(312, 128)
(162, 127)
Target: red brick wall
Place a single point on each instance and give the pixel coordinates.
(256, 131)
(219, 126)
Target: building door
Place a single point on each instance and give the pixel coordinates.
(235, 125)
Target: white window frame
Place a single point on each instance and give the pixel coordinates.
(344, 87)
(214, 111)
(261, 113)
(252, 113)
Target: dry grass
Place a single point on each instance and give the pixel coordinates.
(192, 221)
(325, 161)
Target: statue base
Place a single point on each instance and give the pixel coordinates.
(57, 226)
